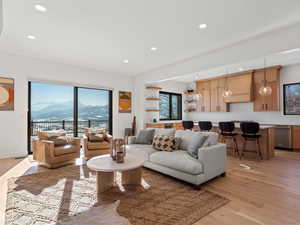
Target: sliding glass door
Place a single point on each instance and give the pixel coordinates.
(93, 109)
(53, 107)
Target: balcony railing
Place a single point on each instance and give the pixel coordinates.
(66, 125)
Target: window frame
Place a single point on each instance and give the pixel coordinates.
(179, 108)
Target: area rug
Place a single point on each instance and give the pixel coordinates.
(69, 194)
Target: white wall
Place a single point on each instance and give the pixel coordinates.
(244, 111)
(13, 124)
(1, 16)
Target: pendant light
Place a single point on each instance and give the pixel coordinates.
(265, 90)
(227, 92)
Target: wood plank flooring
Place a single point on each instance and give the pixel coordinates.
(261, 192)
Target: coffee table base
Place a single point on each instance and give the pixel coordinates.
(105, 180)
(132, 176)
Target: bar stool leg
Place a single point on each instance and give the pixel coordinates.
(236, 148)
(258, 149)
(244, 148)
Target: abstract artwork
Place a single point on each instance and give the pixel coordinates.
(124, 102)
(291, 99)
(6, 94)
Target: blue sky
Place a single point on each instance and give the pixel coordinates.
(43, 93)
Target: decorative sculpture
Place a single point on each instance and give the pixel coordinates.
(118, 150)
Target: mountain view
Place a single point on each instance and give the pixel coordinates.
(64, 111)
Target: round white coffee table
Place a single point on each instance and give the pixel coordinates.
(106, 169)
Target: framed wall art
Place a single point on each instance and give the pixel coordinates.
(125, 102)
(6, 94)
(291, 98)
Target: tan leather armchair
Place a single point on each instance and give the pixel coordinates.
(92, 149)
(51, 156)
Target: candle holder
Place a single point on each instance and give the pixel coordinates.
(118, 150)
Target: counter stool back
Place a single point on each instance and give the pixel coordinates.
(188, 125)
(205, 125)
(250, 132)
(227, 132)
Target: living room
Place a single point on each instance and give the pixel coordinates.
(113, 112)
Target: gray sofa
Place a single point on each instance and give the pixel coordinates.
(211, 161)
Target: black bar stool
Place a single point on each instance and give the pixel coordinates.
(249, 133)
(205, 125)
(227, 132)
(188, 125)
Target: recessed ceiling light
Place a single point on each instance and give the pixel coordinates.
(203, 26)
(125, 61)
(40, 8)
(31, 37)
(153, 48)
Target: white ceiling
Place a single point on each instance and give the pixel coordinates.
(100, 34)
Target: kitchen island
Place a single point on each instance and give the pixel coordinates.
(266, 140)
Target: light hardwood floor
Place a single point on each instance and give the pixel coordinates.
(261, 192)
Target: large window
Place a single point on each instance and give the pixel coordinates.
(170, 106)
(70, 108)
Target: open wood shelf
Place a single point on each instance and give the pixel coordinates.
(190, 110)
(190, 101)
(152, 110)
(190, 93)
(152, 99)
(153, 88)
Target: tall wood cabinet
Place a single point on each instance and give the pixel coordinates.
(212, 96)
(272, 102)
(203, 88)
(217, 102)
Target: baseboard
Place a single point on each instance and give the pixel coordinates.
(13, 155)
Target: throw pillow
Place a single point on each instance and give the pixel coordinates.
(145, 137)
(186, 137)
(164, 143)
(96, 137)
(197, 141)
(212, 139)
(58, 140)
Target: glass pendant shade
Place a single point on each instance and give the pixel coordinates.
(198, 96)
(227, 93)
(265, 90)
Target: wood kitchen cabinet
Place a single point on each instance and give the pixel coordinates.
(203, 88)
(217, 87)
(241, 87)
(272, 102)
(296, 137)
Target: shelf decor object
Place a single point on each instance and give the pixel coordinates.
(6, 94)
(265, 89)
(192, 97)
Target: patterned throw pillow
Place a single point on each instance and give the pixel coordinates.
(164, 143)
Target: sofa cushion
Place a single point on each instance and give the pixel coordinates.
(145, 136)
(177, 160)
(98, 145)
(164, 143)
(212, 139)
(66, 149)
(140, 150)
(197, 142)
(164, 131)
